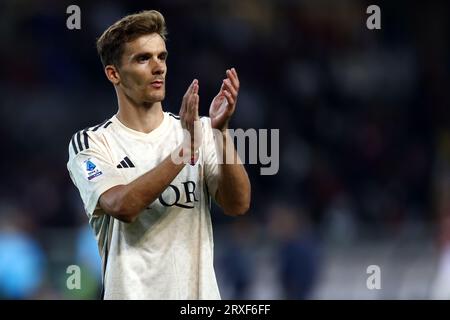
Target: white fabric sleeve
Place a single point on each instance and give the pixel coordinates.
(93, 172)
(210, 157)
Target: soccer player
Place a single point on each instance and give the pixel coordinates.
(150, 213)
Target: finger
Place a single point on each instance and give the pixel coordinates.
(193, 84)
(229, 98)
(235, 73)
(229, 87)
(194, 115)
(194, 90)
(188, 112)
(191, 112)
(186, 102)
(222, 87)
(195, 87)
(189, 89)
(186, 96)
(183, 105)
(233, 78)
(196, 99)
(191, 105)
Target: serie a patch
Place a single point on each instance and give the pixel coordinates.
(92, 170)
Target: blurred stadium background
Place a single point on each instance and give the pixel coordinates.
(364, 120)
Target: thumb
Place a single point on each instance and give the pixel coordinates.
(222, 88)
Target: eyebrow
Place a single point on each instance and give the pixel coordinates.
(139, 54)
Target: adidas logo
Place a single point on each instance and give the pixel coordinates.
(125, 163)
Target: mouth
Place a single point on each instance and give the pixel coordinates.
(157, 84)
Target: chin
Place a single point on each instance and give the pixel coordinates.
(155, 98)
(160, 98)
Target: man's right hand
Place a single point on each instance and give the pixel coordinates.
(191, 123)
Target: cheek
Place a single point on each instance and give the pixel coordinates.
(141, 78)
(135, 78)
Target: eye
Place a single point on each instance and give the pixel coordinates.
(143, 58)
(163, 56)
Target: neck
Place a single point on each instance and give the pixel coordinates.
(140, 117)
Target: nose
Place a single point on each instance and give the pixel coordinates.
(158, 68)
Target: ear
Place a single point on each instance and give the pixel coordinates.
(112, 74)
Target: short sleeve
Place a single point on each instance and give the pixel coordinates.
(93, 172)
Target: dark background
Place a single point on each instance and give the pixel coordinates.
(364, 142)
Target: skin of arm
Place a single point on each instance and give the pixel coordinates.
(125, 202)
(234, 190)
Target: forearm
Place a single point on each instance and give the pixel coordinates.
(234, 190)
(125, 202)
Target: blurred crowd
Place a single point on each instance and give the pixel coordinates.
(363, 118)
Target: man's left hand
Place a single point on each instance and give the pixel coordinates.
(223, 105)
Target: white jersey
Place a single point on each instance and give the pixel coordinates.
(167, 252)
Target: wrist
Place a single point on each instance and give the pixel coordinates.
(224, 128)
(185, 154)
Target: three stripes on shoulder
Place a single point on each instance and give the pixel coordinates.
(80, 140)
